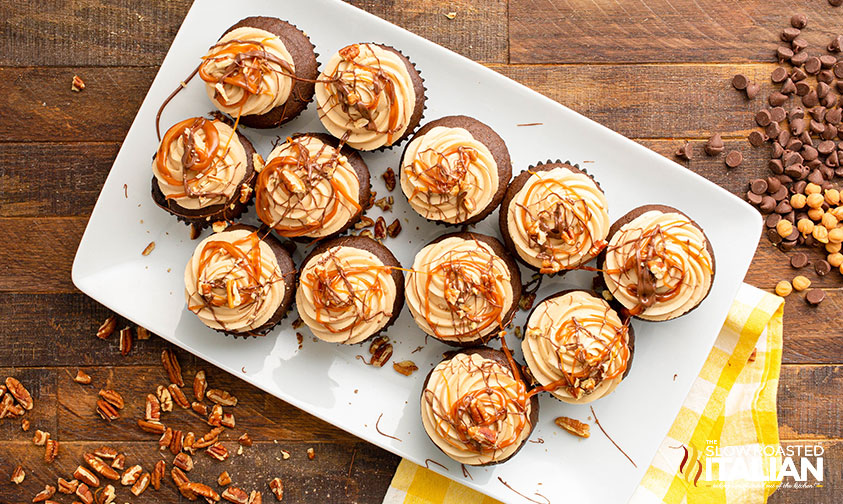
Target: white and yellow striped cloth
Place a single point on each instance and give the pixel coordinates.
(732, 404)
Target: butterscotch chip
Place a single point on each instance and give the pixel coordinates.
(783, 288)
(801, 283)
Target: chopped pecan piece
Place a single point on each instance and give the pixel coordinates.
(148, 249)
(165, 439)
(152, 408)
(394, 229)
(235, 495)
(131, 475)
(277, 487)
(18, 475)
(77, 84)
(82, 377)
(381, 355)
(67, 487)
(311, 454)
(245, 439)
(140, 485)
(221, 397)
(107, 327)
(84, 494)
(107, 411)
(224, 479)
(184, 462)
(172, 367)
(215, 417)
(380, 229)
(363, 223)
(389, 179)
(177, 442)
(107, 495)
(87, 477)
(51, 450)
(179, 477)
(157, 474)
(40, 438)
(45, 494)
(200, 385)
(19, 392)
(574, 426)
(203, 490)
(406, 367)
(119, 462)
(98, 465)
(151, 427)
(178, 396)
(227, 420)
(106, 452)
(24, 425)
(255, 497)
(113, 398)
(217, 452)
(164, 398)
(125, 341)
(201, 409)
(143, 333)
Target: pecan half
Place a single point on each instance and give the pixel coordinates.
(45, 494)
(381, 355)
(184, 462)
(208, 439)
(140, 485)
(107, 411)
(125, 341)
(380, 229)
(87, 477)
(106, 496)
(130, 476)
(67, 487)
(152, 408)
(99, 465)
(177, 443)
(221, 397)
(51, 450)
(203, 490)
(40, 438)
(84, 494)
(215, 417)
(235, 495)
(19, 392)
(189, 439)
(245, 439)
(363, 223)
(148, 249)
(200, 385)
(172, 367)
(106, 452)
(217, 452)
(107, 327)
(82, 377)
(178, 396)
(18, 475)
(406, 367)
(224, 479)
(389, 179)
(165, 439)
(164, 398)
(113, 397)
(179, 477)
(119, 462)
(394, 229)
(277, 487)
(143, 333)
(199, 408)
(151, 427)
(157, 474)
(255, 497)
(574, 426)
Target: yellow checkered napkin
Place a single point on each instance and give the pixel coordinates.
(731, 408)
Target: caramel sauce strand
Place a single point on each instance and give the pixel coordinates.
(382, 433)
(167, 100)
(429, 461)
(610, 437)
(507, 485)
(441, 178)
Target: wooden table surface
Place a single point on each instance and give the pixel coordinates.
(657, 71)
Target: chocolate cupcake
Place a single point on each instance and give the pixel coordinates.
(659, 264)
(554, 217)
(310, 188)
(370, 96)
(463, 288)
(203, 171)
(577, 347)
(475, 407)
(239, 283)
(455, 170)
(262, 71)
(350, 289)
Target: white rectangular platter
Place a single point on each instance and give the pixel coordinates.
(327, 380)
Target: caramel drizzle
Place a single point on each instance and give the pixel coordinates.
(507, 485)
(653, 247)
(337, 297)
(273, 193)
(443, 176)
(472, 289)
(241, 285)
(561, 216)
(197, 164)
(590, 366)
(345, 95)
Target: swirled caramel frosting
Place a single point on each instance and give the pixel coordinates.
(345, 294)
(307, 188)
(658, 265)
(448, 175)
(576, 347)
(248, 72)
(475, 410)
(366, 95)
(558, 220)
(233, 281)
(200, 163)
(459, 289)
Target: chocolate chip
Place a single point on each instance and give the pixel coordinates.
(780, 194)
(773, 129)
(778, 75)
(739, 82)
(833, 160)
(825, 76)
(757, 139)
(788, 87)
(774, 236)
(827, 60)
(813, 65)
(829, 132)
(805, 137)
(773, 184)
(816, 296)
(798, 59)
(799, 260)
(783, 54)
(758, 186)
(799, 21)
(822, 89)
(792, 158)
(802, 88)
(810, 99)
(763, 117)
(794, 145)
(734, 159)
(778, 150)
(790, 33)
(799, 187)
(798, 44)
(794, 171)
(788, 245)
(826, 147)
(753, 198)
(829, 101)
(818, 113)
(822, 267)
(772, 220)
(815, 177)
(835, 45)
(684, 152)
(809, 153)
(835, 3)
(777, 114)
(833, 116)
(838, 70)
(714, 146)
(783, 207)
(776, 99)
(784, 179)
(796, 113)
(816, 127)
(752, 90)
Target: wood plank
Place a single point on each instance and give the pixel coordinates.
(138, 33)
(47, 179)
(38, 253)
(809, 402)
(582, 31)
(830, 490)
(349, 471)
